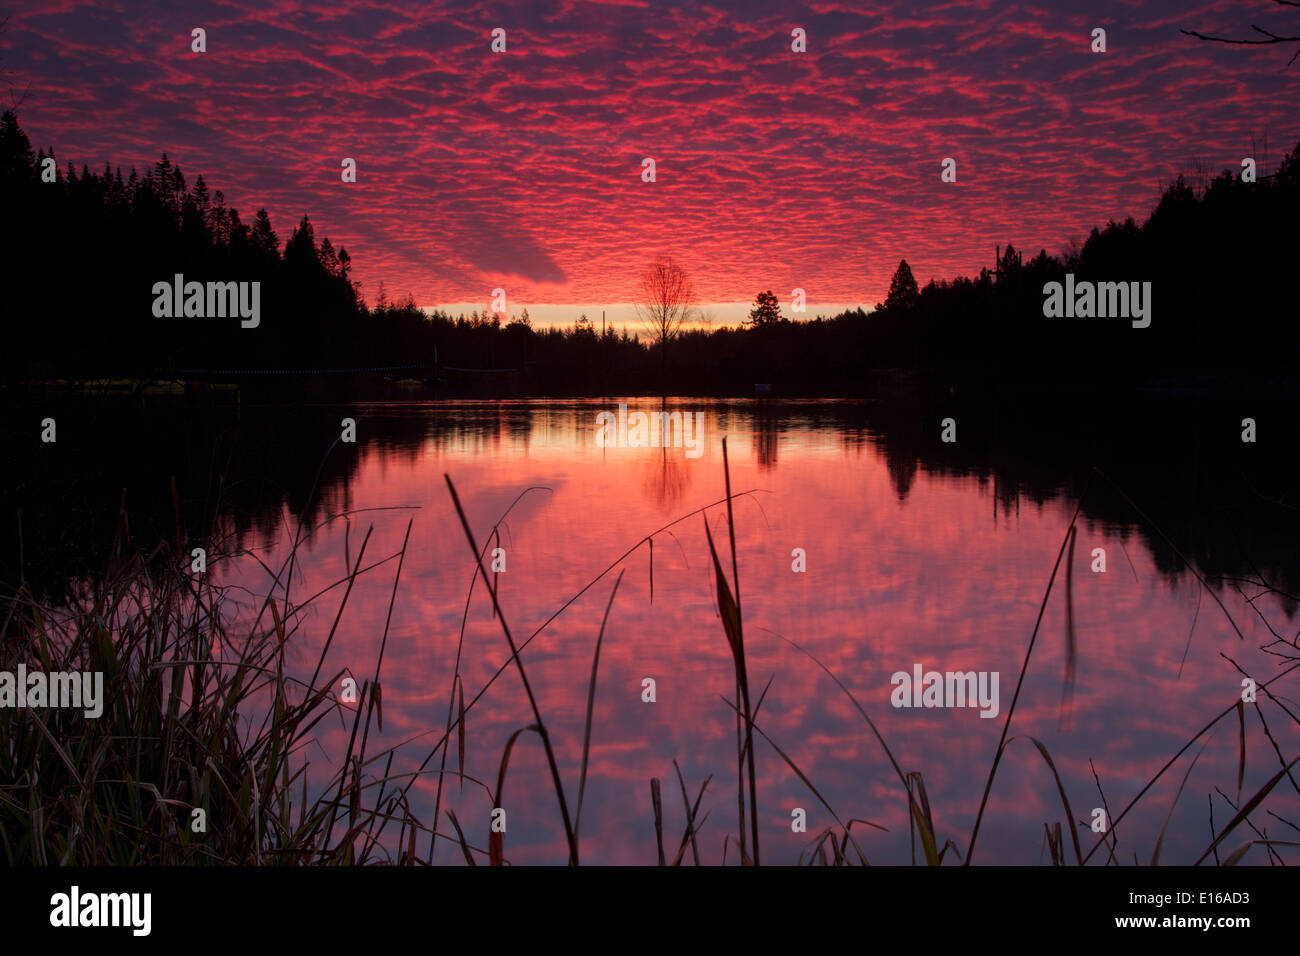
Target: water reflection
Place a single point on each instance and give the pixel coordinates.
(918, 552)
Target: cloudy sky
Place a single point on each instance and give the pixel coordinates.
(774, 169)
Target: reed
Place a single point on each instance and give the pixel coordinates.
(195, 718)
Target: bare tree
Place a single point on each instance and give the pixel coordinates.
(1269, 36)
(668, 301)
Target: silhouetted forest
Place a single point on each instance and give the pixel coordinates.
(84, 250)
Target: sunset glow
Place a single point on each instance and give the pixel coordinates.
(775, 169)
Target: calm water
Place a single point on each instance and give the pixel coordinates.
(917, 553)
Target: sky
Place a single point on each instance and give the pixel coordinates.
(774, 169)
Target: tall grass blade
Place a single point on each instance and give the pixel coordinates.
(460, 730)
(1160, 839)
(495, 841)
(729, 611)
(1071, 640)
(460, 835)
(523, 676)
(1020, 681)
(591, 707)
(1241, 762)
(1065, 801)
(657, 804)
(809, 784)
(919, 802)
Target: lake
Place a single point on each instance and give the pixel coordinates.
(860, 534)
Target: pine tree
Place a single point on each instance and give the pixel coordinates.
(161, 178)
(263, 240)
(328, 258)
(16, 159)
(202, 201)
(219, 219)
(903, 291)
(300, 251)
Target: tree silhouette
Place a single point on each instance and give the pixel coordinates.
(16, 160)
(766, 312)
(263, 240)
(903, 292)
(668, 301)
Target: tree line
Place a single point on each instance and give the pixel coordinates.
(84, 248)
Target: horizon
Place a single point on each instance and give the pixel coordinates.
(621, 315)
